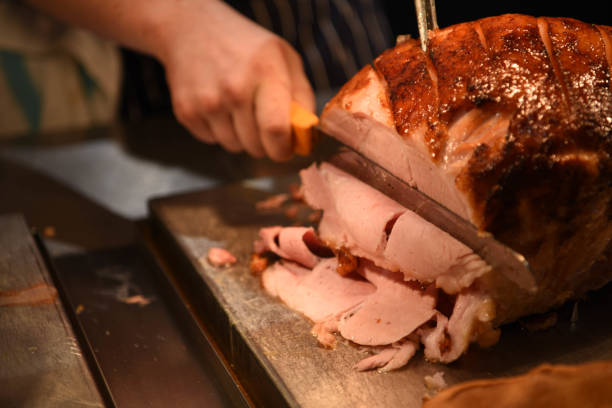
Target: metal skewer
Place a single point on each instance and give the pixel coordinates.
(426, 19)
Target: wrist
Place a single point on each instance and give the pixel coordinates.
(171, 26)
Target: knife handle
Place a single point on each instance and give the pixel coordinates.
(302, 123)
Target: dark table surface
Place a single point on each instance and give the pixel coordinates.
(86, 194)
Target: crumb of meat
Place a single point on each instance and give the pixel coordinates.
(220, 257)
(79, 309)
(296, 192)
(292, 210)
(445, 343)
(258, 263)
(435, 382)
(272, 203)
(347, 263)
(137, 300)
(315, 216)
(402, 38)
(49, 231)
(324, 333)
(539, 322)
(488, 337)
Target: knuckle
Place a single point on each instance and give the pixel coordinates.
(209, 102)
(235, 90)
(276, 129)
(184, 110)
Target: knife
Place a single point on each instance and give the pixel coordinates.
(426, 19)
(498, 255)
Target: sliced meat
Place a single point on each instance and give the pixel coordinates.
(507, 121)
(394, 311)
(393, 237)
(376, 307)
(289, 243)
(347, 203)
(422, 247)
(319, 293)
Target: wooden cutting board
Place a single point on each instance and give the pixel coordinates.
(270, 347)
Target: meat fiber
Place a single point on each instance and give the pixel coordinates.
(507, 121)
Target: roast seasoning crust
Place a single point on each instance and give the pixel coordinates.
(507, 121)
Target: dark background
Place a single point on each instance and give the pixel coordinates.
(145, 93)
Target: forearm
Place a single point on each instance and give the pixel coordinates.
(143, 25)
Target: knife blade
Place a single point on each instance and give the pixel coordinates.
(496, 254)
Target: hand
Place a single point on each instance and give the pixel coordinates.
(231, 80)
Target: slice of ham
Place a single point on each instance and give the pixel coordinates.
(289, 243)
(345, 207)
(375, 307)
(393, 237)
(318, 294)
(392, 312)
(402, 260)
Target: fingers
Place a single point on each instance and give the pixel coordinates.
(247, 108)
(272, 105)
(188, 115)
(201, 130)
(301, 90)
(246, 129)
(222, 127)
(206, 118)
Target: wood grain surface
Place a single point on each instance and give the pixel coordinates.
(243, 317)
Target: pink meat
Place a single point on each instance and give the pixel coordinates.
(345, 207)
(319, 293)
(221, 257)
(393, 237)
(379, 310)
(420, 258)
(288, 243)
(393, 312)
